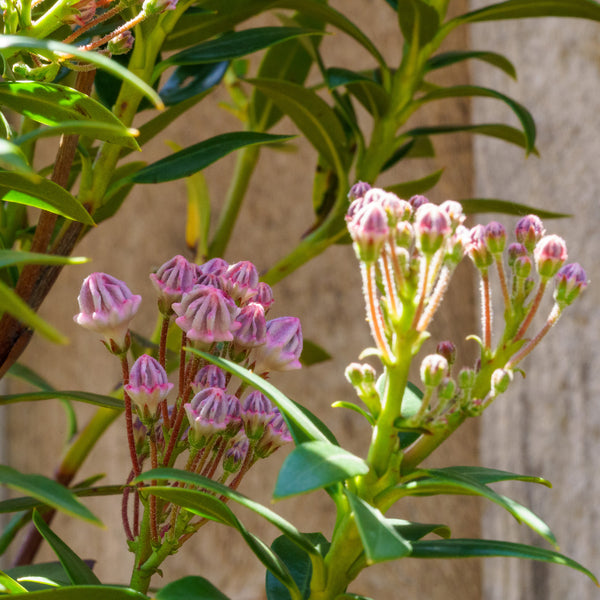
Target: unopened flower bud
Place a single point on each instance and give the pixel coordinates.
(495, 237)
(107, 307)
(570, 281)
(255, 414)
(276, 435)
(477, 248)
(433, 369)
(236, 453)
(83, 12)
(282, 348)
(432, 227)
(514, 251)
(418, 201)
(214, 266)
(253, 326)
(448, 350)
(152, 7)
(209, 376)
(457, 245)
(358, 190)
(522, 267)
(447, 390)
(173, 279)
(369, 231)
(500, 381)
(263, 295)
(529, 230)
(550, 254)
(454, 210)
(466, 378)
(148, 384)
(121, 43)
(241, 280)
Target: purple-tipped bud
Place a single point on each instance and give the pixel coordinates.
(153, 7)
(359, 374)
(212, 411)
(207, 315)
(448, 350)
(107, 307)
(209, 376)
(550, 254)
(241, 280)
(432, 226)
(253, 326)
(514, 251)
(214, 266)
(263, 295)
(276, 435)
(433, 369)
(454, 210)
(404, 234)
(522, 267)
(500, 381)
(121, 43)
(148, 384)
(418, 201)
(173, 279)
(495, 237)
(358, 190)
(477, 248)
(369, 231)
(283, 346)
(256, 413)
(529, 231)
(236, 453)
(84, 11)
(457, 244)
(571, 280)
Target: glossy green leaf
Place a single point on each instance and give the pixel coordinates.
(522, 9)
(12, 528)
(313, 116)
(233, 45)
(87, 592)
(368, 92)
(87, 397)
(47, 491)
(45, 194)
(192, 587)
(199, 156)
(11, 303)
(313, 354)
(416, 16)
(77, 571)
(12, 158)
(51, 571)
(316, 465)
(20, 257)
(15, 42)
(289, 408)
(355, 408)
(222, 490)
(416, 186)
(460, 91)
(468, 548)
(486, 205)
(380, 540)
(445, 59)
(484, 475)
(9, 586)
(418, 147)
(412, 531)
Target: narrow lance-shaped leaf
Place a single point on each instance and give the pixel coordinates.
(418, 17)
(12, 158)
(20, 257)
(416, 186)
(87, 397)
(191, 587)
(485, 475)
(368, 92)
(89, 592)
(9, 585)
(495, 205)
(445, 59)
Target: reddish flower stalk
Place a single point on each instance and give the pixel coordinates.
(486, 309)
(534, 306)
(373, 310)
(129, 418)
(125, 27)
(154, 463)
(502, 276)
(389, 284)
(423, 291)
(115, 10)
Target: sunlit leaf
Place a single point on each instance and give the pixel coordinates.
(12, 158)
(191, 587)
(451, 57)
(86, 397)
(20, 257)
(418, 17)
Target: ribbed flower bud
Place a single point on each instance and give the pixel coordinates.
(253, 326)
(359, 374)
(358, 190)
(276, 435)
(457, 244)
(514, 251)
(550, 254)
(236, 453)
(404, 234)
(255, 414)
(434, 368)
(529, 230)
(207, 315)
(369, 231)
(241, 280)
(418, 201)
(522, 267)
(500, 381)
(83, 12)
(432, 226)
(209, 376)
(173, 279)
(148, 384)
(448, 350)
(263, 295)
(282, 348)
(107, 307)
(477, 248)
(454, 210)
(495, 237)
(121, 43)
(571, 280)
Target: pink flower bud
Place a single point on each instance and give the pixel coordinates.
(500, 381)
(448, 350)
(404, 234)
(495, 237)
(369, 231)
(107, 307)
(253, 326)
(358, 190)
(263, 295)
(152, 7)
(282, 347)
(418, 201)
(477, 248)
(236, 453)
(121, 43)
(173, 279)
(571, 280)
(241, 280)
(207, 315)
(84, 11)
(256, 413)
(432, 226)
(454, 210)
(529, 231)
(550, 254)
(209, 376)
(276, 435)
(457, 244)
(434, 368)
(514, 251)
(148, 384)
(522, 267)
(211, 412)
(358, 374)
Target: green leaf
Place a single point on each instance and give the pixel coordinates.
(192, 587)
(348, 596)
(361, 411)
(521, 9)
(9, 586)
(233, 45)
(416, 186)
(485, 205)
(367, 91)
(199, 156)
(483, 475)
(44, 194)
(291, 411)
(418, 147)
(313, 116)
(11, 303)
(188, 81)
(445, 59)
(312, 354)
(40, 576)
(460, 91)
(117, 191)
(316, 465)
(380, 540)
(89, 592)
(418, 17)
(87, 397)
(19, 257)
(12, 158)
(76, 569)
(47, 491)
(412, 531)
(208, 484)
(14, 42)
(467, 548)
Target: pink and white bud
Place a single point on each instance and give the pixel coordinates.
(216, 266)
(418, 201)
(514, 251)
(550, 254)
(253, 326)
(448, 350)
(282, 348)
(522, 267)
(263, 295)
(148, 384)
(207, 315)
(358, 190)
(477, 248)
(211, 412)
(121, 43)
(404, 234)
(173, 279)
(107, 307)
(256, 413)
(236, 453)
(359, 374)
(209, 376)
(83, 12)
(529, 230)
(432, 227)
(153, 7)
(276, 435)
(434, 368)
(457, 244)
(500, 380)
(495, 237)
(369, 231)
(241, 280)
(571, 280)
(454, 210)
